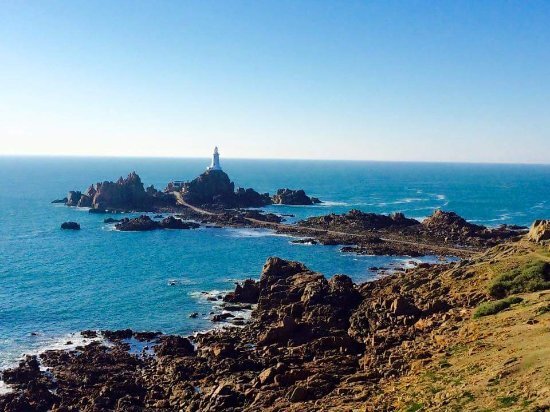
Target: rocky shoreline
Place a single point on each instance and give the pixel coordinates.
(211, 199)
(311, 344)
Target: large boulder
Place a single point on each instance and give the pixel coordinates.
(70, 226)
(247, 292)
(539, 231)
(450, 222)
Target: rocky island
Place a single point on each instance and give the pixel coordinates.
(211, 190)
(458, 336)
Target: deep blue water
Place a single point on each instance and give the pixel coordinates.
(55, 282)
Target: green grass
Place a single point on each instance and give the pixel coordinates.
(506, 401)
(490, 308)
(530, 277)
(414, 407)
(543, 309)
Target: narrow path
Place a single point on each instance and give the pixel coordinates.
(283, 226)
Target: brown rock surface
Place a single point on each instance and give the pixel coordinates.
(539, 231)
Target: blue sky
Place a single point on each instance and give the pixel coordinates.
(372, 80)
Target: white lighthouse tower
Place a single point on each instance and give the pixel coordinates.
(215, 161)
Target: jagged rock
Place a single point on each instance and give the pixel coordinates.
(539, 231)
(64, 200)
(293, 197)
(73, 197)
(402, 307)
(126, 194)
(247, 292)
(70, 226)
(213, 188)
(138, 224)
(171, 222)
(450, 221)
(174, 346)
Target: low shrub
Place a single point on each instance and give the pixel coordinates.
(490, 308)
(532, 276)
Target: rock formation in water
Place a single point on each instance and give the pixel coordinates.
(126, 194)
(144, 223)
(293, 197)
(70, 226)
(356, 220)
(451, 227)
(214, 189)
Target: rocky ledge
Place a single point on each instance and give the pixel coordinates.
(441, 229)
(324, 344)
(145, 223)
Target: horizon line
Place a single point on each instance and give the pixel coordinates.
(37, 155)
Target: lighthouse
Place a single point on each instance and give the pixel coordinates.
(215, 161)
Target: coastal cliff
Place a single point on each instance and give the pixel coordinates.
(457, 336)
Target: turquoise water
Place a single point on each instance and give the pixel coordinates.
(55, 282)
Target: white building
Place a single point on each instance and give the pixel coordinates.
(215, 165)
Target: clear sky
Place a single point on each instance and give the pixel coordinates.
(374, 80)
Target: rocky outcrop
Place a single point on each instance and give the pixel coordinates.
(247, 292)
(214, 189)
(250, 198)
(70, 226)
(357, 221)
(293, 197)
(539, 231)
(450, 227)
(311, 344)
(450, 222)
(126, 194)
(144, 223)
(64, 200)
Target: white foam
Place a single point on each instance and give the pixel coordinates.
(244, 233)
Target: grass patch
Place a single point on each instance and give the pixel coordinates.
(506, 401)
(414, 407)
(490, 308)
(543, 309)
(444, 364)
(530, 277)
(468, 396)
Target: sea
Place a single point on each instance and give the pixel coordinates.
(55, 283)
